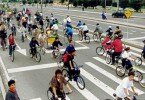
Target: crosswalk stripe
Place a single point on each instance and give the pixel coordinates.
(97, 82)
(86, 93)
(113, 67)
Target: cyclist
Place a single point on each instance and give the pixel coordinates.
(56, 43)
(11, 41)
(84, 29)
(123, 88)
(33, 43)
(127, 58)
(55, 28)
(69, 32)
(41, 39)
(117, 46)
(56, 87)
(13, 29)
(118, 31)
(106, 43)
(47, 21)
(68, 19)
(70, 47)
(79, 24)
(109, 31)
(143, 50)
(69, 62)
(3, 34)
(98, 30)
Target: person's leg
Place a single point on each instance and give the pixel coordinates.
(85, 35)
(113, 58)
(10, 50)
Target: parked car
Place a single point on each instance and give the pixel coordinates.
(118, 14)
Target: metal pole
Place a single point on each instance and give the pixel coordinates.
(105, 4)
(68, 4)
(118, 5)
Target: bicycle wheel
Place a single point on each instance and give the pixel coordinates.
(100, 51)
(87, 39)
(120, 71)
(80, 36)
(49, 95)
(80, 82)
(108, 58)
(95, 38)
(12, 56)
(30, 53)
(59, 61)
(138, 61)
(65, 74)
(142, 83)
(38, 57)
(138, 76)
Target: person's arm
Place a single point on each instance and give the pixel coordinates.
(54, 91)
(8, 96)
(126, 93)
(66, 84)
(60, 43)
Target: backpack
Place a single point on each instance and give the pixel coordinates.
(65, 57)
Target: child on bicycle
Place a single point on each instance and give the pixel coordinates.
(11, 41)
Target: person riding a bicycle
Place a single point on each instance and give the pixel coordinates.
(109, 31)
(70, 47)
(69, 63)
(69, 32)
(56, 43)
(117, 47)
(41, 39)
(106, 43)
(33, 43)
(127, 58)
(11, 42)
(122, 91)
(84, 30)
(56, 87)
(54, 27)
(98, 30)
(3, 35)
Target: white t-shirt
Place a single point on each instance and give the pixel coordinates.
(68, 19)
(126, 54)
(54, 27)
(124, 84)
(84, 28)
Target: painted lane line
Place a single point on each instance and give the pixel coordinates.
(104, 72)
(29, 68)
(135, 49)
(137, 38)
(132, 30)
(36, 99)
(113, 67)
(2, 89)
(143, 32)
(4, 68)
(97, 82)
(86, 93)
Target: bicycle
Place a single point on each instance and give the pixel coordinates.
(121, 71)
(96, 37)
(50, 95)
(139, 60)
(35, 54)
(76, 77)
(12, 57)
(81, 36)
(142, 82)
(56, 53)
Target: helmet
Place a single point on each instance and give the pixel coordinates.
(110, 27)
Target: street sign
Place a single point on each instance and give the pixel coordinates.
(128, 13)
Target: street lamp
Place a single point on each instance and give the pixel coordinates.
(105, 4)
(41, 6)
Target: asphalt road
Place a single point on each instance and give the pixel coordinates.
(32, 78)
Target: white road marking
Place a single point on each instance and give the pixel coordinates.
(36, 99)
(34, 67)
(143, 32)
(113, 67)
(97, 82)
(132, 30)
(137, 38)
(86, 93)
(135, 49)
(107, 74)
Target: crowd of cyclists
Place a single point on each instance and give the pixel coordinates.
(35, 26)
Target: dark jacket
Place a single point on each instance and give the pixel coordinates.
(12, 96)
(33, 44)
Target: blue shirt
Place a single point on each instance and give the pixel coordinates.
(69, 48)
(79, 24)
(69, 31)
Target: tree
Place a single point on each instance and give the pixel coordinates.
(136, 5)
(124, 3)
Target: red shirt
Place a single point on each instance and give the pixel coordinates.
(117, 45)
(11, 41)
(105, 40)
